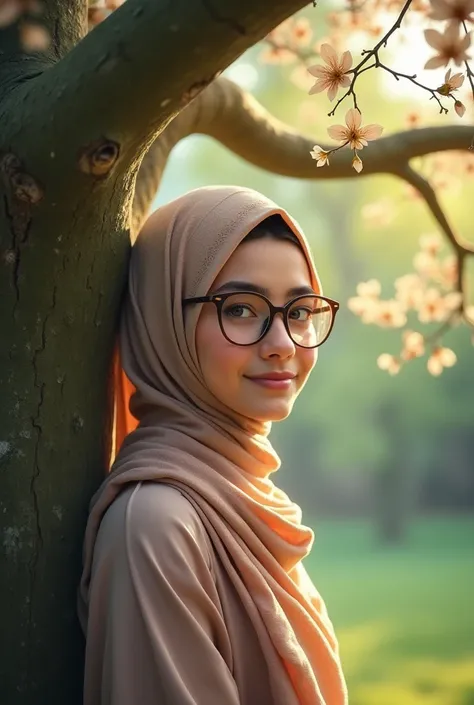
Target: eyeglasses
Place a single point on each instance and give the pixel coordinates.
(245, 317)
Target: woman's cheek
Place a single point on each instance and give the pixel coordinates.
(308, 360)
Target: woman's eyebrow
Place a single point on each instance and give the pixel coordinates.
(248, 286)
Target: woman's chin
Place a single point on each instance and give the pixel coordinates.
(273, 413)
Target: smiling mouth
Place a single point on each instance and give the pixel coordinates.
(279, 384)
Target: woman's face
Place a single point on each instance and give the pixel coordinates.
(228, 369)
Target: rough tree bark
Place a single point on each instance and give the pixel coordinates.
(76, 122)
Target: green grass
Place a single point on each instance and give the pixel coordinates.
(404, 616)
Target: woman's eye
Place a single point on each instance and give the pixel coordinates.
(302, 314)
(238, 311)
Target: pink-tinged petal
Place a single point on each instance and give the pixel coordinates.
(328, 54)
(332, 91)
(345, 81)
(435, 62)
(371, 132)
(319, 86)
(451, 33)
(357, 163)
(457, 80)
(317, 70)
(346, 61)
(338, 132)
(459, 108)
(434, 39)
(353, 119)
(447, 76)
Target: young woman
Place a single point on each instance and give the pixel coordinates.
(194, 591)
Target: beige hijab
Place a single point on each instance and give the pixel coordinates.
(173, 430)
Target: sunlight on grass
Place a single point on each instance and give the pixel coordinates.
(404, 615)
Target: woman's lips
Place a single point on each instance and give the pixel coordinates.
(272, 383)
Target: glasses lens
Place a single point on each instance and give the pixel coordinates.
(245, 319)
(309, 321)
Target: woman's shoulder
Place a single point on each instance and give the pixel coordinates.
(157, 517)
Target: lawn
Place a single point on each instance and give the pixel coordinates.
(404, 616)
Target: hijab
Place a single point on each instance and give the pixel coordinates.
(170, 428)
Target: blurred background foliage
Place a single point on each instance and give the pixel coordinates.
(382, 466)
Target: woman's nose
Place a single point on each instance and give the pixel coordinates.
(277, 339)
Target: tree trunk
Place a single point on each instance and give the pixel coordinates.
(59, 304)
(73, 135)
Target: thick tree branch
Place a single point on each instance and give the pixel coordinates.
(154, 162)
(136, 70)
(237, 120)
(240, 122)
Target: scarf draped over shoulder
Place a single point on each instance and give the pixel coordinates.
(169, 428)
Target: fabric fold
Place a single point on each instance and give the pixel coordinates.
(170, 429)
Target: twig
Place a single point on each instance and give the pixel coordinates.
(399, 75)
(426, 190)
(371, 52)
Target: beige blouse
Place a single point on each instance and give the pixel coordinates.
(166, 626)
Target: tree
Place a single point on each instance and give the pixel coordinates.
(88, 121)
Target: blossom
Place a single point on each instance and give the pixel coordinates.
(469, 314)
(363, 306)
(439, 359)
(436, 307)
(431, 243)
(457, 10)
(390, 314)
(370, 289)
(320, 154)
(448, 272)
(413, 345)
(389, 363)
(450, 46)
(301, 32)
(334, 75)
(426, 264)
(33, 37)
(451, 83)
(459, 107)
(277, 55)
(353, 134)
(409, 290)
(413, 119)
